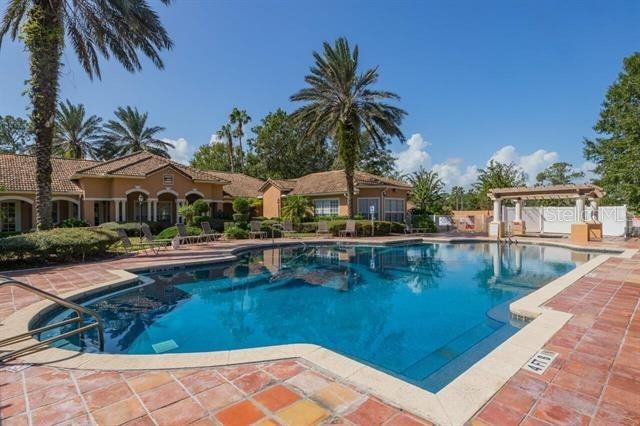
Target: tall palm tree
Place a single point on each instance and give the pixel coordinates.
(239, 118)
(225, 133)
(130, 134)
(339, 103)
(118, 28)
(74, 136)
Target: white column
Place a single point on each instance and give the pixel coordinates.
(594, 210)
(148, 209)
(497, 210)
(124, 210)
(117, 213)
(518, 261)
(518, 217)
(580, 209)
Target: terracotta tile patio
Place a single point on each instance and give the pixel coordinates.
(595, 380)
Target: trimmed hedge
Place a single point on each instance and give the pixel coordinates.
(57, 244)
(73, 222)
(363, 227)
(236, 233)
(133, 228)
(172, 231)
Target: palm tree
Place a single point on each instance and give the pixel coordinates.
(340, 104)
(74, 136)
(225, 133)
(118, 28)
(130, 134)
(427, 189)
(457, 193)
(239, 118)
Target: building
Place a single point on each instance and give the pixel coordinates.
(149, 188)
(140, 186)
(386, 198)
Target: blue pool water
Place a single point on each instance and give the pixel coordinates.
(422, 312)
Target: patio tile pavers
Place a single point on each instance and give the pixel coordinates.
(276, 397)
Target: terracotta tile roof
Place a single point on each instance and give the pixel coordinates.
(18, 173)
(333, 181)
(142, 163)
(240, 184)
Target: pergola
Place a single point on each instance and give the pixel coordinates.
(580, 193)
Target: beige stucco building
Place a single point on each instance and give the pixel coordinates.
(149, 188)
(380, 197)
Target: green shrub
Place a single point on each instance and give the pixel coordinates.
(172, 231)
(57, 244)
(423, 221)
(73, 222)
(187, 212)
(133, 228)
(236, 233)
(200, 207)
(242, 205)
(295, 208)
(197, 220)
(10, 233)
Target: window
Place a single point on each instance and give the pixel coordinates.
(167, 179)
(394, 209)
(326, 207)
(165, 209)
(365, 205)
(55, 212)
(8, 217)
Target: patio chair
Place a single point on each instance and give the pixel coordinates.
(256, 230)
(209, 234)
(151, 239)
(350, 229)
(323, 228)
(183, 235)
(128, 246)
(287, 228)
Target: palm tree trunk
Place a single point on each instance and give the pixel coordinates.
(44, 38)
(230, 150)
(348, 142)
(241, 154)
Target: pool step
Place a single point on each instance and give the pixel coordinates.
(444, 355)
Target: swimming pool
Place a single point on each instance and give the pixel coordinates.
(421, 312)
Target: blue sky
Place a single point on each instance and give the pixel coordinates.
(518, 80)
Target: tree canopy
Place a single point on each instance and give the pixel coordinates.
(15, 135)
(427, 193)
(559, 174)
(497, 175)
(281, 151)
(214, 156)
(616, 151)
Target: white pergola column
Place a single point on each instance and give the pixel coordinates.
(580, 209)
(594, 210)
(497, 210)
(518, 216)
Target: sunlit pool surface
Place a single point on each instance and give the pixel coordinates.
(422, 312)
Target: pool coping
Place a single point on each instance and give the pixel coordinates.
(454, 404)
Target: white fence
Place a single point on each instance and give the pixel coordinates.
(558, 220)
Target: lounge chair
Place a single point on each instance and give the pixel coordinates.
(151, 239)
(323, 228)
(256, 230)
(287, 228)
(183, 235)
(207, 233)
(128, 246)
(350, 229)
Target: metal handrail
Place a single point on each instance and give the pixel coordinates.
(78, 309)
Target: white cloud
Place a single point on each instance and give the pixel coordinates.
(587, 168)
(181, 152)
(215, 139)
(452, 173)
(531, 164)
(414, 156)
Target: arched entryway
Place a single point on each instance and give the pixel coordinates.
(138, 207)
(166, 208)
(17, 214)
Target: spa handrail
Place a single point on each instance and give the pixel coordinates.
(79, 310)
